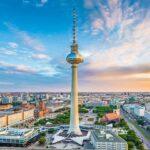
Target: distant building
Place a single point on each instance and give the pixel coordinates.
(106, 140)
(135, 109)
(17, 137)
(139, 111)
(41, 110)
(6, 100)
(114, 101)
(147, 106)
(117, 111)
(147, 115)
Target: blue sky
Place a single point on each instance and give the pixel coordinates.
(113, 37)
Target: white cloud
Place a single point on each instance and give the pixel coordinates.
(31, 42)
(41, 3)
(97, 25)
(21, 68)
(125, 30)
(17, 68)
(6, 51)
(40, 56)
(37, 3)
(112, 14)
(13, 44)
(24, 68)
(6, 83)
(28, 40)
(88, 4)
(132, 49)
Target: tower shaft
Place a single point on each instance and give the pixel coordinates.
(74, 116)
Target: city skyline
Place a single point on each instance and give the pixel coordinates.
(113, 36)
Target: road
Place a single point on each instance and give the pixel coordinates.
(145, 141)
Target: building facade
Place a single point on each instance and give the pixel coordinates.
(17, 137)
(135, 109)
(106, 140)
(10, 119)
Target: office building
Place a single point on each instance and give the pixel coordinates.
(107, 140)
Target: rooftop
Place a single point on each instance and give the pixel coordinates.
(13, 132)
(111, 116)
(106, 136)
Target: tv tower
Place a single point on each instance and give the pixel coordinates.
(74, 58)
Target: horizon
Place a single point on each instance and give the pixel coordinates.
(113, 36)
(78, 92)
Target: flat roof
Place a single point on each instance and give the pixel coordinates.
(106, 136)
(15, 132)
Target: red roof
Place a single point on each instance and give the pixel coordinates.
(111, 116)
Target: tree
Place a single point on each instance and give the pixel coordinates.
(51, 130)
(42, 140)
(132, 99)
(83, 110)
(42, 134)
(124, 136)
(140, 147)
(16, 103)
(148, 128)
(140, 121)
(130, 145)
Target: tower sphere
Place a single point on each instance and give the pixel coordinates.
(74, 58)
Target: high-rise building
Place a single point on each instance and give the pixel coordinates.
(74, 58)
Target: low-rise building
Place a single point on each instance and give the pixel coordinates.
(107, 140)
(17, 137)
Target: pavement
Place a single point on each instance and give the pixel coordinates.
(145, 141)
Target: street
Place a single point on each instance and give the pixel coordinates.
(145, 141)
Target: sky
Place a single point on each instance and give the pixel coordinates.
(113, 37)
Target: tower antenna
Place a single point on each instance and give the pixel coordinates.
(74, 26)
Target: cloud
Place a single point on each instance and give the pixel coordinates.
(111, 14)
(6, 51)
(97, 25)
(120, 72)
(6, 83)
(29, 41)
(124, 35)
(40, 56)
(37, 3)
(133, 49)
(131, 78)
(121, 60)
(13, 68)
(21, 69)
(13, 44)
(88, 4)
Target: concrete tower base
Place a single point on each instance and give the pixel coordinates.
(75, 131)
